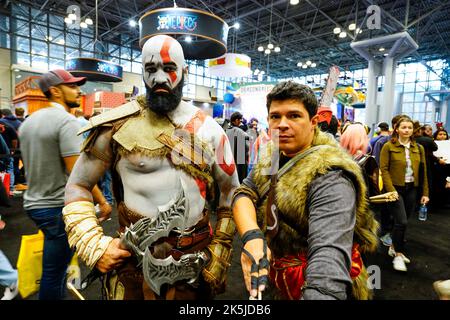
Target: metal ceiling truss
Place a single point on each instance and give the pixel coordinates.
(304, 31)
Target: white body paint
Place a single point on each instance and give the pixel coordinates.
(151, 182)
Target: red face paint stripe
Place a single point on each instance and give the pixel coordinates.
(173, 76)
(165, 56)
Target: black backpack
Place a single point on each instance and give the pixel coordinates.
(371, 174)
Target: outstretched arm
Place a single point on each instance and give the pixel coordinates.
(253, 253)
(82, 226)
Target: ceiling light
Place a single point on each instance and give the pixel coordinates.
(72, 16)
(299, 64)
(188, 39)
(308, 63)
(358, 30)
(352, 26)
(19, 76)
(386, 54)
(236, 25)
(294, 2)
(337, 30)
(132, 23)
(89, 21)
(343, 34)
(277, 49)
(304, 66)
(313, 65)
(261, 48)
(16, 70)
(381, 49)
(267, 51)
(61, 41)
(68, 20)
(270, 46)
(256, 72)
(83, 25)
(262, 72)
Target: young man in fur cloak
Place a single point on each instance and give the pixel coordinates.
(303, 211)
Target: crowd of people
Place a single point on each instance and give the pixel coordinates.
(300, 193)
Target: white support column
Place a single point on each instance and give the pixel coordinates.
(371, 95)
(446, 119)
(397, 45)
(387, 107)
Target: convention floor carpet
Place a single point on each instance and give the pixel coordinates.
(428, 246)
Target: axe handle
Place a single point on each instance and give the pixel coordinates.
(74, 290)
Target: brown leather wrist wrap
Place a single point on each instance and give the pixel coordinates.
(220, 250)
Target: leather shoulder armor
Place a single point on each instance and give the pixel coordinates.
(123, 111)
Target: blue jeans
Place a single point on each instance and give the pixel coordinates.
(57, 253)
(105, 186)
(8, 275)
(10, 170)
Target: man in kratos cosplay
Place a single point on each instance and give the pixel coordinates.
(302, 213)
(165, 156)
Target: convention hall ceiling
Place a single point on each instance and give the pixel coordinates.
(303, 31)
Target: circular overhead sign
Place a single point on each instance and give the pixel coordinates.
(230, 65)
(201, 34)
(95, 69)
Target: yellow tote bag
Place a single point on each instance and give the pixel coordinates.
(29, 264)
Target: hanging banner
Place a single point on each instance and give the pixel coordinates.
(443, 150)
(208, 32)
(330, 87)
(253, 101)
(94, 69)
(231, 65)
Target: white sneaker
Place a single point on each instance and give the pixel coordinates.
(392, 253)
(442, 288)
(399, 264)
(10, 292)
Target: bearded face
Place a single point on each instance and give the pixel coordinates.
(162, 99)
(163, 62)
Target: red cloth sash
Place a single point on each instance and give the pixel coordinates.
(288, 273)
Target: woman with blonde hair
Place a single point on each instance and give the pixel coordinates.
(401, 161)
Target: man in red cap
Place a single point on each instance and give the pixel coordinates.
(50, 147)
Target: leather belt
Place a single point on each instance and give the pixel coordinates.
(181, 241)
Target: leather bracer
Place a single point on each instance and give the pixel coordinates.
(220, 250)
(84, 232)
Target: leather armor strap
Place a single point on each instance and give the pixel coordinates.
(256, 281)
(252, 234)
(181, 241)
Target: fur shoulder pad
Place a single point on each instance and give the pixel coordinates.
(123, 111)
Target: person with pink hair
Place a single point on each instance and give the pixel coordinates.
(355, 140)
